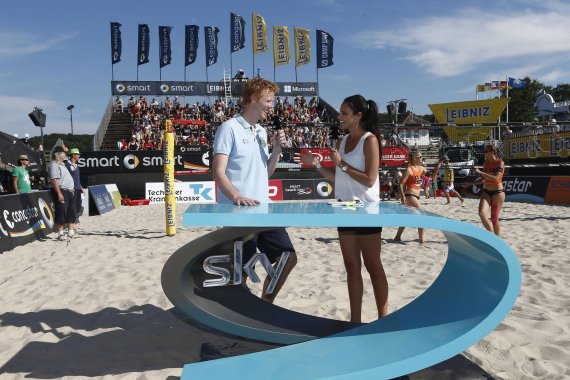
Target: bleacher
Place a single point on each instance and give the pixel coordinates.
(119, 127)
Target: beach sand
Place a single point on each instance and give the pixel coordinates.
(94, 307)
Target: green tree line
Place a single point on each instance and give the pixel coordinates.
(83, 142)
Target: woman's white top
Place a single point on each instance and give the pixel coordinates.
(347, 188)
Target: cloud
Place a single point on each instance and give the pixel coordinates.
(556, 76)
(18, 44)
(447, 46)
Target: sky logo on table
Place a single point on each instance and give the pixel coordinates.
(234, 277)
(131, 161)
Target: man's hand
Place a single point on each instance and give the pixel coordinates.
(243, 201)
(278, 140)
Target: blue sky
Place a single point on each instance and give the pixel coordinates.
(57, 53)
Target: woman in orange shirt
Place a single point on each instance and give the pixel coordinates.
(412, 179)
(493, 194)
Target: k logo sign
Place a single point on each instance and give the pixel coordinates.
(131, 161)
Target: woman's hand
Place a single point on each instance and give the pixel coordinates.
(335, 157)
(309, 159)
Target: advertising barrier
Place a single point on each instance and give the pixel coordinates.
(103, 162)
(102, 201)
(558, 191)
(549, 145)
(170, 88)
(25, 218)
(549, 190)
(468, 112)
(113, 191)
(393, 156)
(185, 192)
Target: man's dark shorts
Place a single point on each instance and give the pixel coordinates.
(65, 212)
(273, 243)
(360, 230)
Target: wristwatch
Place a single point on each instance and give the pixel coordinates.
(343, 166)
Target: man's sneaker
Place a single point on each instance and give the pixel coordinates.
(73, 234)
(62, 237)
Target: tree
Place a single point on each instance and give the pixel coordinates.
(560, 93)
(521, 105)
(83, 142)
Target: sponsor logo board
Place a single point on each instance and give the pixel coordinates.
(185, 192)
(558, 191)
(300, 189)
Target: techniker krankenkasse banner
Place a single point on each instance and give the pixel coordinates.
(469, 112)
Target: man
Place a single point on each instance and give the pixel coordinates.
(73, 169)
(21, 177)
(448, 178)
(242, 167)
(63, 193)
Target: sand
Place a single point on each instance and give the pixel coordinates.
(94, 306)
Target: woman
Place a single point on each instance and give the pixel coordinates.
(356, 157)
(412, 180)
(493, 194)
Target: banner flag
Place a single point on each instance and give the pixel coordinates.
(260, 44)
(237, 28)
(516, 83)
(211, 34)
(281, 55)
(495, 85)
(165, 49)
(191, 44)
(480, 88)
(302, 47)
(116, 45)
(325, 43)
(503, 84)
(144, 42)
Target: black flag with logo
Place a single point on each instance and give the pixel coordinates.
(237, 28)
(191, 49)
(165, 49)
(116, 45)
(324, 49)
(144, 42)
(211, 33)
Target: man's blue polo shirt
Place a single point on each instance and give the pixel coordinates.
(248, 153)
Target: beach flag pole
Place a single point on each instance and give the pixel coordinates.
(169, 192)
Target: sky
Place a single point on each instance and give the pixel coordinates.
(57, 53)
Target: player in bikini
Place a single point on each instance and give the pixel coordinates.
(412, 180)
(493, 194)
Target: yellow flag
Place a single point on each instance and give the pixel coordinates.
(302, 47)
(281, 55)
(259, 31)
(480, 88)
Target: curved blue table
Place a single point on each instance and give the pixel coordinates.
(476, 289)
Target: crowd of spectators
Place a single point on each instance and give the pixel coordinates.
(305, 123)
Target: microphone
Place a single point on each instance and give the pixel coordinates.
(277, 122)
(278, 126)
